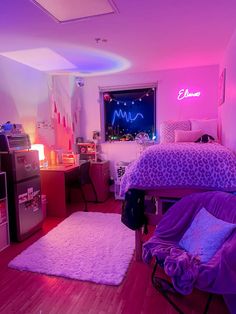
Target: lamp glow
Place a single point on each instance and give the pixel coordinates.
(40, 149)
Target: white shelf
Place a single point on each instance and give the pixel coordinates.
(117, 191)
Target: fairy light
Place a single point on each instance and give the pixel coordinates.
(108, 98)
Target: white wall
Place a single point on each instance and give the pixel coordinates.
(203, 79)
(227, 111)
(23, 95)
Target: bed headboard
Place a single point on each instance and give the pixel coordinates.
(168, 128)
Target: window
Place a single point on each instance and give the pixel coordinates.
(128, 112)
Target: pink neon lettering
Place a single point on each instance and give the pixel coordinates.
(184, 93)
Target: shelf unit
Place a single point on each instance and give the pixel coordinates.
(87, 151)
(4, 221)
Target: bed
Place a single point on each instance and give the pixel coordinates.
(178, 169)
(208, 166)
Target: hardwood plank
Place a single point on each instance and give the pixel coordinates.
(26, 292)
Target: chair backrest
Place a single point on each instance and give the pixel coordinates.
(84, 175)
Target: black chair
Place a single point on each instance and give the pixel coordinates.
(82, 180)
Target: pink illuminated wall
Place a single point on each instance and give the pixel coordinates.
(227, 111)
(23, 95)
(170, 82)
(26, 98)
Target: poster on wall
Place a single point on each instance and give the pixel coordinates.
(222, 87)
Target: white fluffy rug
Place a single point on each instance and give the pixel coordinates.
(86, 246)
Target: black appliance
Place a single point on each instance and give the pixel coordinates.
(23, 185)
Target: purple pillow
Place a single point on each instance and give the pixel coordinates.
(205, 235)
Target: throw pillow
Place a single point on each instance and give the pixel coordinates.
(187, 136)
(208, 126)
(205, 235)
(167, 130)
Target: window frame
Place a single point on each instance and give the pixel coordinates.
(104, 89)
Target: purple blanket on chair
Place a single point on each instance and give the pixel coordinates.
(218, 275)
(209, 166)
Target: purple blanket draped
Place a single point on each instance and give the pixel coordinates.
(209, 166)
(218, 275)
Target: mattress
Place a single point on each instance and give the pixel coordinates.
(208, 166)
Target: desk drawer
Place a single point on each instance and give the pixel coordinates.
(4, 236)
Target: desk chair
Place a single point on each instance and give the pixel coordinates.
(83, 180)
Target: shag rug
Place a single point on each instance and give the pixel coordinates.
(86, 246)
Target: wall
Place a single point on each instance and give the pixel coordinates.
(227, 111)
(203, 79)
(27, 97)
(23, 95)
(24, 99)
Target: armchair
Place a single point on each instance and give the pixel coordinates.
(218, 274)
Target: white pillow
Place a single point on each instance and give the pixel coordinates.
(208, 126)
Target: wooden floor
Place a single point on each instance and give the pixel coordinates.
(26, 292)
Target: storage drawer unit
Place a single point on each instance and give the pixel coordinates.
(100, 175)
(4, 236)
(4, 222)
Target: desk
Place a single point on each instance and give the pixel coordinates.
(53, 185)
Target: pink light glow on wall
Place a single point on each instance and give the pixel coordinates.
(184, 93)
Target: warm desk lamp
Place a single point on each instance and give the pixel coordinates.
(40, 149)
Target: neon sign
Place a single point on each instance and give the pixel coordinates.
(124, 115)
(184, 93)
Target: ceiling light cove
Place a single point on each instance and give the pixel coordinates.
(98, 63)
(42, 59)
(91, 62)
(80, 60)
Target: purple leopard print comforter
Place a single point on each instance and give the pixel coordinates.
(182, 165)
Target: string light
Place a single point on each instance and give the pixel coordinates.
(107, 97)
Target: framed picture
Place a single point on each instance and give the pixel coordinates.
(222, 87)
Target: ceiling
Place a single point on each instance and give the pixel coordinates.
(142, 36)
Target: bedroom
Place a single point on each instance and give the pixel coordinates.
(199, 42)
